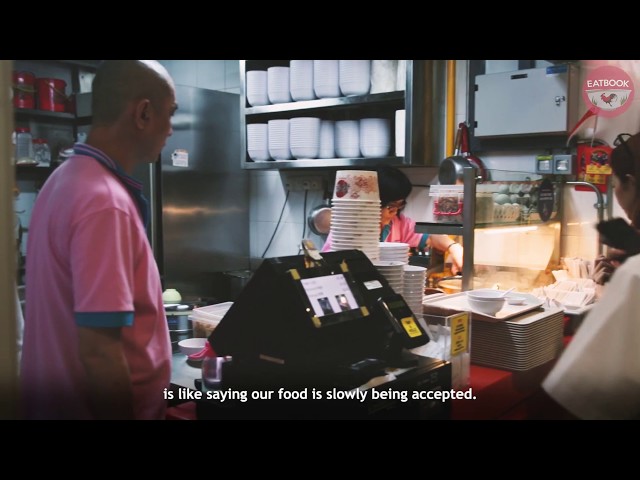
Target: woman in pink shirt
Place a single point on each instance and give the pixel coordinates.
(395, 187)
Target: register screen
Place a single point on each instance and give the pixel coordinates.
(329, 295)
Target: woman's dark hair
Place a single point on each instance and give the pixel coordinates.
(393, 183)
(625, 160)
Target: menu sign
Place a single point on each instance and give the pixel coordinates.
(546, 199)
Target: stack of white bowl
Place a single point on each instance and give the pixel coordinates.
(258, 142)
(414, 281)
(393, 257)
(301, 80)
(401, 78)
(278, 134)
(393, 272)
(257, 92)
(394, 252)
(355, 212)
(384, 75)
(327, 139)
(347, 138)
(326, 83)
(278, 84)
(354, 77)
(400, 132)
(375, 137)
(304, 137)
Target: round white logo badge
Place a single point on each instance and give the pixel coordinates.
(608, 91)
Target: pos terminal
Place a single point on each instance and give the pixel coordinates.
(331, 323)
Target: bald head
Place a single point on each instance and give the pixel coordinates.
(118, 82)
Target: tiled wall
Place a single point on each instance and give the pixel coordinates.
(268, 195)
(221, 75)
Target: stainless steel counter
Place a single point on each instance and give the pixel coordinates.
(183, 374)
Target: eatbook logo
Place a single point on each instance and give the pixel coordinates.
(608, 91)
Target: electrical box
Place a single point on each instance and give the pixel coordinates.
(535, 101)
(564, 164)
(544, 164)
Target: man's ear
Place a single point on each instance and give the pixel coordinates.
(142, 112)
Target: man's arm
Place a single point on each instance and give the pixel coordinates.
(109, 381)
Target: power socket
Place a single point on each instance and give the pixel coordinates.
(301, 183)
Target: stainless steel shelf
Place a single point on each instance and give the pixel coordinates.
(327, 103)
(43, 114)
(440, 228)
(323, 163)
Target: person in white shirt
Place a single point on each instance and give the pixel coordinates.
(598, 375)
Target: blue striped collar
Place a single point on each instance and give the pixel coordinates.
(88, 150)
(131, 184)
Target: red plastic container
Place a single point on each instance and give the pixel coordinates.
(51, 94)
(24, 90)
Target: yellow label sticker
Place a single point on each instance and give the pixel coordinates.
(365, 311)
(316, 321)
(460, 333)
(599, 169)
(410, 327)
(344, 267)
(294, 273)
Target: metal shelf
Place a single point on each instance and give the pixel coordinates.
(43, 114)
(440, 228)
(422, 77)
(368, 99)
(322, 163)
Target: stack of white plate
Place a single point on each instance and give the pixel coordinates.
(414, 281)
(375, 137)
(279, 139)
(355, 212)
(304, 137)
(258, 141)
(347, 138)
(301, 80)
(354, 77)
(394, 252)
(393, 272)
(521, 343)
(257, 92)
(278, 84)
(326, 83)
(327, 139)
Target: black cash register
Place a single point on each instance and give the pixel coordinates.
(335, 324)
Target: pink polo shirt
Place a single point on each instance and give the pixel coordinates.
(89, 262)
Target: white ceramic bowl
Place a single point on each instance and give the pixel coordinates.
(192, 345)
(485, 294)
(516, 299)
(488, 306)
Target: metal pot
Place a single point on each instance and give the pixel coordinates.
(452, 168)
(449, 284)
(319, 220)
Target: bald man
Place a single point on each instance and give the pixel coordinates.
(96, 341)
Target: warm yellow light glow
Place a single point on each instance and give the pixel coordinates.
(495, 231)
